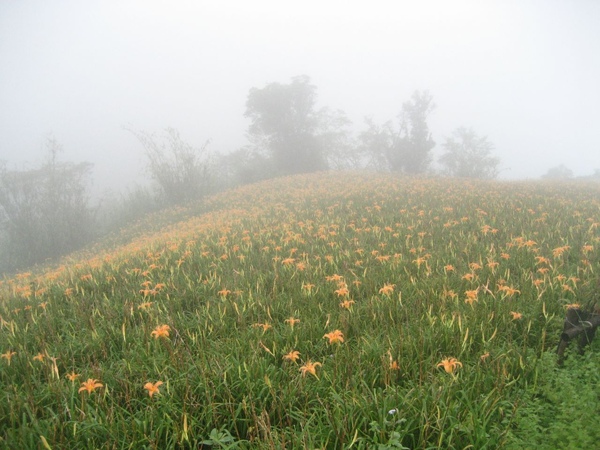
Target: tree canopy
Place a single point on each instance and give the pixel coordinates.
(45, 211)
(411, 152)
(180, 170)
(285, 126)
(468, 155)
(406, 149)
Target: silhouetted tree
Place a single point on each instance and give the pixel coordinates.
(407, 149)
(181, 171)
(468, 155)
(560, 172)
(45, 211)
(375, 144)
(285, 126)
(411, 152)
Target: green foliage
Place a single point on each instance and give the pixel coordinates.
(562, 410)
(411, 272)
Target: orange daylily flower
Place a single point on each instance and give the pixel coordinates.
(39, 357)
(72, 376)
(161, 331)
(387, 289)
(264, 326)
(152, 388)
(347, 304)
(308, 286)
(334, 337)
(471, 296)
(450, 364)
(145, 305)
(292, 356)
(292, 321)
(516, 315)
(310, 367)
(558, 251)
(342, 291)
(90, 385)
(8, 356)
(334, 277)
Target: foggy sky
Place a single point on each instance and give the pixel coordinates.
(523, 73)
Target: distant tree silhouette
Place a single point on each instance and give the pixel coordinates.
(285, 126)
(560, 172)
(407, 149)
(468, 155)
(45, 211)
(181, 171)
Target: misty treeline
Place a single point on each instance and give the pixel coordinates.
(46, 212)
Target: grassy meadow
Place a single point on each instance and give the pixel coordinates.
(335, 310)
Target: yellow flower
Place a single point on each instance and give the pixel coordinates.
(450, 364)
(573, 306)
(161, 331)
(72, 376)
(39, 357)
(152, 388)
(292, 321)
(8, 356)
(90, 385)
(334, 337)
(310, 367)
(292, 356)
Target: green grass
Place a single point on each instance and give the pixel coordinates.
(477, 271)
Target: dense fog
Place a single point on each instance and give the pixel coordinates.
(524, 74)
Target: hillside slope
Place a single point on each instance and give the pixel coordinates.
(314, 311)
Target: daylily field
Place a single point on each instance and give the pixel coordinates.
(336, 310)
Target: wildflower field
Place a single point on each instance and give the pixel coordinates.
(335, 310)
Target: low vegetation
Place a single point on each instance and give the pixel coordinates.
(334, 310)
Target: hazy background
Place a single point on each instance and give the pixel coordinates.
(526, 74)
